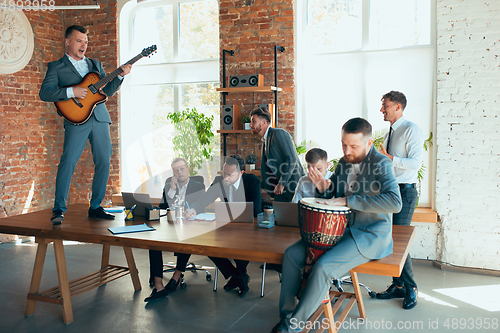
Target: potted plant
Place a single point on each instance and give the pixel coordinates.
(250, 163)
(194, 137)
(246, 122)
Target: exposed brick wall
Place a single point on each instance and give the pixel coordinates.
(31, 133)
(468, 154)
(252, 28)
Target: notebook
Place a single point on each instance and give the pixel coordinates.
(141, 200)
(130, 228)
(241, 212)
(286, 213)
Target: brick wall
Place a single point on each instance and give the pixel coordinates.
(252, 28)
(468, 154)
(31, 133)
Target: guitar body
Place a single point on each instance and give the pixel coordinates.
(78, 111)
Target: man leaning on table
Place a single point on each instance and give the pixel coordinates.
(363, 181)
(403, 144)
(233, 186)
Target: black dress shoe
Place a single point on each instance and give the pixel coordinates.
(392, 292)
(100, 213)
(156, 295)
(232, 283)
(410, 299)
(57, 216)
(243, 284)
(172, 284)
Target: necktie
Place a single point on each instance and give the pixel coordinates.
(231, 189)
(389, 140)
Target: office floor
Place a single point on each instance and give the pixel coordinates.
(449, 301)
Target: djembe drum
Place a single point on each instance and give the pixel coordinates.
(321, 227)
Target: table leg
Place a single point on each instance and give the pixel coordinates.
(62, 275)
(132, 268)
(36, 277)
(359, 297)
(104, 260)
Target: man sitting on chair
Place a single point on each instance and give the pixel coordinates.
(363, 181)
(233, 186)
(184, 189)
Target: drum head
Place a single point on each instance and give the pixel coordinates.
(311, 202)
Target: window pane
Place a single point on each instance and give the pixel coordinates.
(199, 30)
(397, 23)
(334, 25)
(154, 25)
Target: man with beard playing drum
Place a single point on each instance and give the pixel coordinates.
(364, 182)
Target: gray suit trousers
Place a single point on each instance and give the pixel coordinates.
(333, 264)
(75, 138)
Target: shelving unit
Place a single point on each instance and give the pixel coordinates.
(241, 90)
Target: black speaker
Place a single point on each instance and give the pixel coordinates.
(246, 81)
(231, 117)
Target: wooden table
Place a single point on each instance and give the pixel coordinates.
(234, 240)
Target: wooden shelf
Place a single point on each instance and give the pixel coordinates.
(249, 89)
(234, 131)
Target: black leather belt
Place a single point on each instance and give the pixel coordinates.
(408, 185)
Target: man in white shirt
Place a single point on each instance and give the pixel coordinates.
(403, 144)
(70, 71)
(316, 158)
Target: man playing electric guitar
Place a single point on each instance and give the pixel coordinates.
(69, 71)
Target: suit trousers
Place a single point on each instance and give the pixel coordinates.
(409, 197)
(156, 263)
(333, 264)
(75, 139)
(227, 269)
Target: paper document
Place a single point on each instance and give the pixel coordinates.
(203, 217)
(130, 228)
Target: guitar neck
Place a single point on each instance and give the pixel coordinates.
(109, 77)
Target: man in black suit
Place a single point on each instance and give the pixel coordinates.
(280, 169)
(233, 186)
(69, 71)
(184, 189)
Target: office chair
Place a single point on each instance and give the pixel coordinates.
(170, 267)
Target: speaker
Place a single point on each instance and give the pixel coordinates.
(246, 81)
(270, 108)
(231, 117)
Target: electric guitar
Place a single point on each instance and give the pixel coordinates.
(77, 111)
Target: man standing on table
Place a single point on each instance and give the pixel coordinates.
(69, 71)
(363, 181)
(280, 169)
(403, 144)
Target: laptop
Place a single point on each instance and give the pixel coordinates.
(286, 213)
(241, 212)
(141, 200)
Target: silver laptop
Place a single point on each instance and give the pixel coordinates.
(286, 213)
(233, 212)
(141, 200)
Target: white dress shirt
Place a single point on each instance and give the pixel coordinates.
(407, 149)
(182, 192)
(306, 189)
(82, 67)
(233, 188)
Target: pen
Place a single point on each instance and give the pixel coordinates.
(133, 207)
(189, 209)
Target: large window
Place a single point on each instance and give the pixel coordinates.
(350, 53)
(183, 74)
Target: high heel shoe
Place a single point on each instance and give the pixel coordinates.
(172, 284)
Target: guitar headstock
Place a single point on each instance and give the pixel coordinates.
(148, 51)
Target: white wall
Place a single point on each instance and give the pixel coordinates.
(468, 139)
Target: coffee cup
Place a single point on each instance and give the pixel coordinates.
(268, 211)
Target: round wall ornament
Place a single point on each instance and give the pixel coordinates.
(16, 41)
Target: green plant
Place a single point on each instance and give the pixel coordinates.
(194, 139)
(251, 159)
(245, 119)
(421, 171)
(301, 148)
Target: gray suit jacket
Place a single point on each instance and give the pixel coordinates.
(282, 161)
(374, 200)
(61, 74)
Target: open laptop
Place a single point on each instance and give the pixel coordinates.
(233, 212)
(141, 200)
(286, 213)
